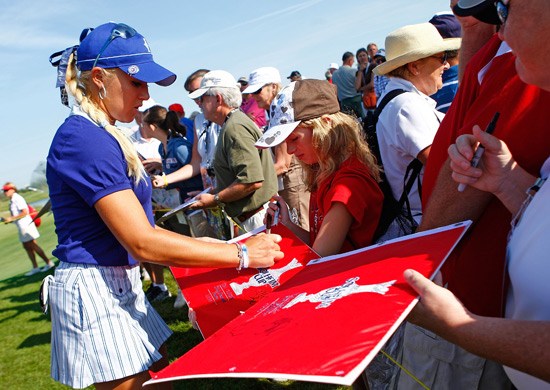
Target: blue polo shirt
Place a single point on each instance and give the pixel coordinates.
(84, 164)
(444, 97)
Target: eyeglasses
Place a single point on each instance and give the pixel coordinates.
(121, 30)
(502, 10)
(443, 58)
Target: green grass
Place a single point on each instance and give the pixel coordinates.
(25, 336)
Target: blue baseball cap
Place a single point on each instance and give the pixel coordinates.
(113, 45)
(447, 24)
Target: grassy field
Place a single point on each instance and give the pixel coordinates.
(25, 336)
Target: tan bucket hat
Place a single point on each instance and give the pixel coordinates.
(412, 43)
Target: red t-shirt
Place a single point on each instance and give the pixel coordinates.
(475, 271)
(354, 187)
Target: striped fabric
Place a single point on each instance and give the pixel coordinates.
(103, 328)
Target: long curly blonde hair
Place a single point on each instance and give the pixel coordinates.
(336, 137)
(79, 87)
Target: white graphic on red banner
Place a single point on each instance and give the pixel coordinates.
(265, 276)
(327, 296)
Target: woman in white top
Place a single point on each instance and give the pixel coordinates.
(522, 339)
(27, 229)
(416, 59)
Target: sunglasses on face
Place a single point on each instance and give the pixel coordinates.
(121, 30)
(259, 90)
(200, 99)
(502, 10)
(443, 58)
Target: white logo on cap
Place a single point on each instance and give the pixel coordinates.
(133, 69)
(146, 45)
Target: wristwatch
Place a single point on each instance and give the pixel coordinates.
(218, 201)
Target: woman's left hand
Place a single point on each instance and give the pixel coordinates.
(438, 309)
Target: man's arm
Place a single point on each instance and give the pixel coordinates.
(230, 194)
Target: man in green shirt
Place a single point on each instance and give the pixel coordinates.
(245, 175)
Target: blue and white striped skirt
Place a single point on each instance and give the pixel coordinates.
(103, 328)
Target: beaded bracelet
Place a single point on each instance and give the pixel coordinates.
(240, 255)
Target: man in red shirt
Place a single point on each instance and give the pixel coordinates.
(475, 271)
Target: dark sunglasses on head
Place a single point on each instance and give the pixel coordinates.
(502, 10)
(121, 30)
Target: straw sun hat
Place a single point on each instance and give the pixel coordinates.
(412, 43)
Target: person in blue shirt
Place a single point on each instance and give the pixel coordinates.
(104, 331)
(176, 149)
(448, 27)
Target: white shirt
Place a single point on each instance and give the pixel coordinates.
(406, 126)
(17, 205)
(207, 138)
(529, 270)
(147, 148)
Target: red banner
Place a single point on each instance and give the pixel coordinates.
(327, 322)
(219, 295)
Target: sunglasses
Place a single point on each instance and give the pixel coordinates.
(121, 30)
(502, 10)
(443, 58)
(200, 99)
(258, 91)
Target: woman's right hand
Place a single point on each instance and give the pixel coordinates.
(263, 250)
(278, 204)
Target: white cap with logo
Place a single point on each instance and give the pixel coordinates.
(215, 79)
(262, 76)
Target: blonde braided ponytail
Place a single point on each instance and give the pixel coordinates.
(77, 87)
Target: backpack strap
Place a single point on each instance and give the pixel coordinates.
(372, 138)
(387, 98)
(412, 174)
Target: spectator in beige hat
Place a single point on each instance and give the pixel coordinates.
(415, 61)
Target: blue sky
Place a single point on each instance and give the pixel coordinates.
(237, 36)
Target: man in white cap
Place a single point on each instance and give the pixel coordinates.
(333, 66)
(264, 85)
(245, 177)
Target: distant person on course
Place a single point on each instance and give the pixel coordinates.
(28, 233)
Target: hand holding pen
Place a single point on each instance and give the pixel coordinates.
(481, 149)
(273, 212)
(497, 161)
